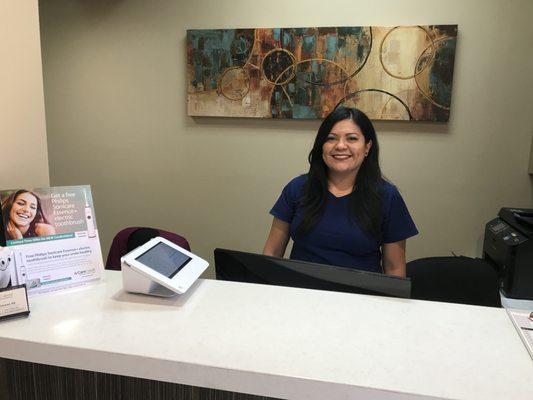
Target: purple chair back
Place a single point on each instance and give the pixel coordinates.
(119, 246)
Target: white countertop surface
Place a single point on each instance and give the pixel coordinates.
(279, 342)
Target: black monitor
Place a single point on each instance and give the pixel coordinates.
(238, 266)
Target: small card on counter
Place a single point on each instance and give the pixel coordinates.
(523, 322)
(14, 302)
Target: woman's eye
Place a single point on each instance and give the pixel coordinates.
(330, 138)
(352, 138)
(33, 207)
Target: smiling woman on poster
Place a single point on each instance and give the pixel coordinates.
(23, 216)
(343, 212)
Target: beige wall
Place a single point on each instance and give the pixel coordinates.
(115, 96)
(24, 160)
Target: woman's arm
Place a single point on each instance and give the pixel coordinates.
(394, 258)
(278, 239)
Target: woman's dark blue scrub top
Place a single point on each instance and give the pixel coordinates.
(336, 239)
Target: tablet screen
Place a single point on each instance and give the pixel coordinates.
(164, 259)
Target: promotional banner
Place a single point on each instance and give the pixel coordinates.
(51, 238)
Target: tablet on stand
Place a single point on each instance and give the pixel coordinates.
(160, 268)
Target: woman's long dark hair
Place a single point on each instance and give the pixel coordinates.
(365, 201)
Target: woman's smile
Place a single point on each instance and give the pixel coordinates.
(341, 157)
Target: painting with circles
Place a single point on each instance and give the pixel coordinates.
(391, 73)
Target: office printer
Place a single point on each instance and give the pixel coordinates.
(508, 247)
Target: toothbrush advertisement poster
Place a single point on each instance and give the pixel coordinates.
(50, 237)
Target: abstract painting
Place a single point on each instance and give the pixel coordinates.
(390, 73)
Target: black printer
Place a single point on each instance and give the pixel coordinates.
(508, 247)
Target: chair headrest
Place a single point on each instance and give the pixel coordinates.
(140, 237)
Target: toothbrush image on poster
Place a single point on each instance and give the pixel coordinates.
(91, 231)
(20, 268)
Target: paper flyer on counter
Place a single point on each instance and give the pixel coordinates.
(50, 237)
(523, 322)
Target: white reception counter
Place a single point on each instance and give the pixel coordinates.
(278, 342)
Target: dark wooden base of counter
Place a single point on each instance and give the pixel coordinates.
(28, 381)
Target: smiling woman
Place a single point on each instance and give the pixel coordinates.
(23, 216)
(343, 212)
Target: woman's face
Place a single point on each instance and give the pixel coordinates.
(345, 148)
(23, 210)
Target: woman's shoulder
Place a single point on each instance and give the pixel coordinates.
(296, 187)
(298, 182)
(388, 187)
(42, 229)
(389, 191)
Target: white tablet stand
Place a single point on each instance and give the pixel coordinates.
(136, 282)
(141, 266)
